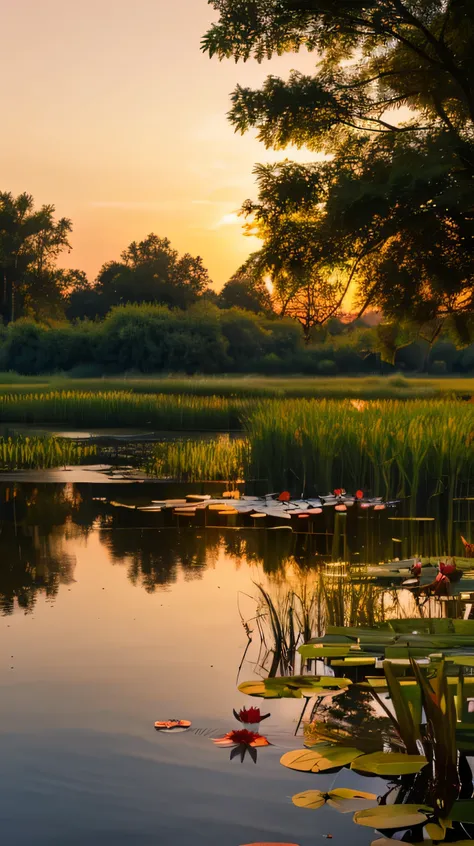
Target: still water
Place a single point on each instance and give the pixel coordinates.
(108, 626)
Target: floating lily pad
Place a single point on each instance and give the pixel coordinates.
(314, 650)
(389, 764)
(462, 811)
(324, 756)
(393, 816)
(294, 687)
(342, 799)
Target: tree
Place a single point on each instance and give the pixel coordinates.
(150, 271)
(30, 242)
(246, 290)
(392, 207)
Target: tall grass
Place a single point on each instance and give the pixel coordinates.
(288, 617)
(121, 408)
(249, 386)
(390, 448)
(221, 459)
(21, 453)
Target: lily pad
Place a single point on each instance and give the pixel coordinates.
(294, 687)
(342, 799)
(393, 816)
(389, 764)
(462, 811)
(314, 650)
(324, 756)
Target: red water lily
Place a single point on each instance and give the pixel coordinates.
(359, 494)
(337, 491)
(243, 741)
(242, 737)
(250, 716)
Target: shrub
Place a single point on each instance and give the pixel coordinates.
(327, 367)
(438, 368)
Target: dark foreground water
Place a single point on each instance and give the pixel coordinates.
(107, 627)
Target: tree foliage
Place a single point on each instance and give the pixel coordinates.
(391, 108)
(247, 290)
(150, 271)
(30, 243)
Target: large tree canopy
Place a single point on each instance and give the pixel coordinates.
(391, 107)
(30, 242)
(150, 271)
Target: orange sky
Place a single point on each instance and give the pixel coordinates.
(112, 113)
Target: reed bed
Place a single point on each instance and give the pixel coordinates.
(122, 408)
(21, 453)
(274, 387)
(388, 448)
(393, 449)
(288, 617)
(250, 386)
(221, 459)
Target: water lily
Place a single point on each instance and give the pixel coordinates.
(359, 494)
(243, 741)
(250, 716)
(242, 737)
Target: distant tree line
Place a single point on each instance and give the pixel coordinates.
(149, 271)
(206, 339)
(156, 311)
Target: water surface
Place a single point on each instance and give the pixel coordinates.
(108, 626)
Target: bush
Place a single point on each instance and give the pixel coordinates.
(327, 367)
(438, 368)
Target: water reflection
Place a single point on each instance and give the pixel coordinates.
(36, 521)
(151, 629)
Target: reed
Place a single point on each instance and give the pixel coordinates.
(393, 449)
(220, 459)
(389, 448)
(249, 386)
(121, 408)
(21, 453)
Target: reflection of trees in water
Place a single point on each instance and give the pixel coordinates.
(34, 523)
(32, 564)
(156, 558)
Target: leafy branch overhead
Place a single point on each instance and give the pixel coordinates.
(386, 211)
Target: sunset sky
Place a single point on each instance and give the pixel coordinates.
(112, 113)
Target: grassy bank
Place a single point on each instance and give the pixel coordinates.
(233, 386)
(118, 408)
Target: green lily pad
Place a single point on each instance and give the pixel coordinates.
(393, 816)
(342, 799)
(462, 811)
(294, 687)
(324, 756)
(314, 650)
(389, 764)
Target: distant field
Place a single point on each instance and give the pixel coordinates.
(375, 387)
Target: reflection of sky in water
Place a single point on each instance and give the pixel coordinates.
(95, 666)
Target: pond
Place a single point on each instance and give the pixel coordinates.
(110, 621)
